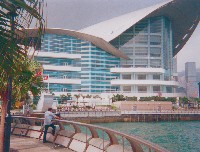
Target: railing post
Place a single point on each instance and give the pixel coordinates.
(103, 140)
(123, 143)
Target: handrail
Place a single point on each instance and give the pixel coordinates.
(135, 141)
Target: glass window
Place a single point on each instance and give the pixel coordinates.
(142, 89)
(155, 25)
(156, 77)
(142, 77)
(155, 52)
(127, 88)
(155, 63)
(169, 89)
(156, 88)
(141, 39)
(126, 76)
(141, 51)
(142, 27)
(155, 40)
(141, 62)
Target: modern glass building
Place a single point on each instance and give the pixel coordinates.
(130, 54)
(75, 65)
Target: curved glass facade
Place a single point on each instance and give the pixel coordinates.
(148, 45)
(95, 65)
(95, 69)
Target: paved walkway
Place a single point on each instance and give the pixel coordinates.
(24, 144)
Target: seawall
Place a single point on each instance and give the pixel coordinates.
(137, 118)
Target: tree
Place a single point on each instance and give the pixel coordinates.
(118, 97)
(184, 101)
(63, 98)
(69, 96)
(13, 55)
(77, 96)
(88, 96)
(83, 97)
(27, 81)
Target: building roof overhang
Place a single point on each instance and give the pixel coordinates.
(184, 16)
(99, 42)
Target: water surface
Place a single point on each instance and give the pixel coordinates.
(174, 136)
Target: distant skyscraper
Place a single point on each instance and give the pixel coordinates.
(191, 79)
(190, 72)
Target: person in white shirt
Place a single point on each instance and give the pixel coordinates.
(48, 117)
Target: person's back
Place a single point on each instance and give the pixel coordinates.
(48, 117)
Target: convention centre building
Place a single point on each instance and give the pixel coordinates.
(133, 54)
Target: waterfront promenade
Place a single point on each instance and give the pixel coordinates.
(27, 134)
(24, 144)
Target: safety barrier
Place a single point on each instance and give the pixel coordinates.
(82, 137)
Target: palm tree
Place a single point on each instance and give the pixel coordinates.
(27, 81)
(77, 96)
(63, 98)
(15, 16)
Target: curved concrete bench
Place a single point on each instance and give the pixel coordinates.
(85, 140)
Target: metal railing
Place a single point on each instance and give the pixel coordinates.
(83, 137)
(89, 113)
(162, 112)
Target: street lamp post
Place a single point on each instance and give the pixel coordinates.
(9, 97)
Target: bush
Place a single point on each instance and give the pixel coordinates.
(34, 106)
(131, 98)
(114, 108)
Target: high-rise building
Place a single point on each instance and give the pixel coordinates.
(191, 79)
(190, 72)
(130, 54)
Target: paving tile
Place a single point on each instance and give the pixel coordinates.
(24, 144)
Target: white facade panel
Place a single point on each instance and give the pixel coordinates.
(137, 70)
(61, 68)
(63, 81)
(55, 55)
(143, 82)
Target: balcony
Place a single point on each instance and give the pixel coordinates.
(55, 55)
(136, 70)
(144, 82)
(61, 68)
(63, 81)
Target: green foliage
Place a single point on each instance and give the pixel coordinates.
(184, 100)
(63, 98)
(34, 106)
(15, 64)
(114, 107)
(36, 99)
(96, 96)
(172, 99)
(157, 98)
(77, 96)
(75, 107)
(25, 82)
(131, 98)
(88, 96)
(118, 97)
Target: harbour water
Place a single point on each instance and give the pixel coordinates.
(174, 136)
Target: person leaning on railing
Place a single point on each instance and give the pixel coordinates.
(48, 117)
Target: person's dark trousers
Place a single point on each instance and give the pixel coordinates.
(46, 129)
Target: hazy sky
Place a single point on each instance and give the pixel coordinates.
(77, 14)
